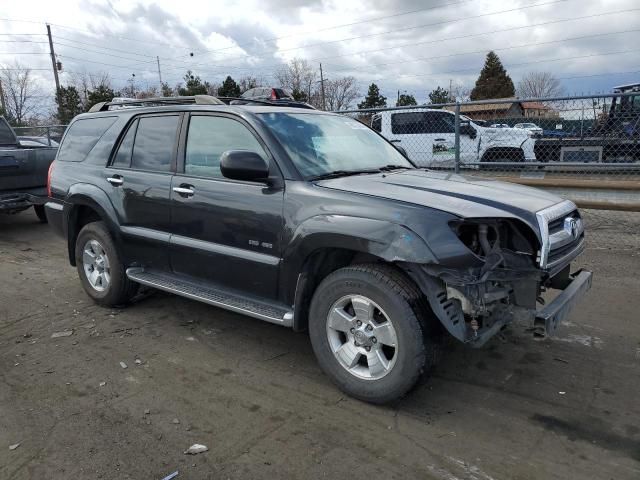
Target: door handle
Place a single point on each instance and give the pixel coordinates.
(116, 180)
(440, 140)
(395, 141)
(185, 190)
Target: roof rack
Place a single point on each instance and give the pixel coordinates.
(156, 101)
(271, 103)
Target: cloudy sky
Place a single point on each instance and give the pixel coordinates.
(407, 45)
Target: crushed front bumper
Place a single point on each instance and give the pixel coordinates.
(548, 318)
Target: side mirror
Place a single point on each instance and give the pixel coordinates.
(244, 165)
(402, 151)
(467, 129)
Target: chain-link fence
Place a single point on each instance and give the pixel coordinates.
(47, 135)
(583, 148)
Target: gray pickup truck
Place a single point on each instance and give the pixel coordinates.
(23, 172)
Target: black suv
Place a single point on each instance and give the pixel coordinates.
(310, 220)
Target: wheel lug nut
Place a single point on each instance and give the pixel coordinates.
(374, 339)
(353, 330)
(369, 328)
(359, 323)
(368, 349)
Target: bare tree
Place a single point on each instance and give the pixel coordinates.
(248, 82)
(85, 83)
(20, 93)
(539, 85)
(340, 93)
(459, 93)
(298, 76)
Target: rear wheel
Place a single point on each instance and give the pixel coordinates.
(101, 272)
(40, 213)
(366, 329)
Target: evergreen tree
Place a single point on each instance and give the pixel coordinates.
(166, 90)
(299, 95)
(102, 93)
(373, 98)
(406, 99)
(439, 95)
(229, 88)
(69, 104)
(193, 86)
(493, 82)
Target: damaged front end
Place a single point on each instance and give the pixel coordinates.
(503, 282)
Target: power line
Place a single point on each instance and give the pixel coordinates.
(444, 22)
(100, 46)
(475, 52)
(94, 51)
(458, 37)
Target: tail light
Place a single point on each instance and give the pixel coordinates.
(273, 94)
(49, 179)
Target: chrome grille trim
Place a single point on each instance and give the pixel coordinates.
(544, 217)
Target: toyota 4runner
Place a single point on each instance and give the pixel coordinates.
(314, 221)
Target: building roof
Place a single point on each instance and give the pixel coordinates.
(535, 106)
(483, 107)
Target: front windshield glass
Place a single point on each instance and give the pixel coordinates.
(321, 144)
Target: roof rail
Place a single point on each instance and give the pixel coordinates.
(271, 103)
(156, 101)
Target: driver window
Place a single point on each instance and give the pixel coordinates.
(209, 137)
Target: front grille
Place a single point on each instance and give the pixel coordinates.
(562, 233)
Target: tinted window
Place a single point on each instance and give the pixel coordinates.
(6, 134)
(155, 143)
(249, 93)
(82, 137)
(422, 122)
(376, 124)
(209, 137)
(123, 157)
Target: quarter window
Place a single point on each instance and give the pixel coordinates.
(155, 143)
(209, 137)
(123, 157)
(82, 136)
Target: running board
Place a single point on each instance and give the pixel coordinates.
(213, 296)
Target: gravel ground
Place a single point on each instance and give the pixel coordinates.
(252, 392)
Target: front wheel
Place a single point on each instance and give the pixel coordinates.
(366, 328)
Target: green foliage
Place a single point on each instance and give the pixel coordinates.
(493, 82)
(102, 93)
(229, 88)
(406, 99)
(166, 90)
(373, 98)
(439, 95)
(69, 104)
(299, 95)
(193, 85)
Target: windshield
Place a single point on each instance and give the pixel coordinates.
(320, 144)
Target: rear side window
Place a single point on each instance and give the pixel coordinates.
(422, 122)
(81, 137)
(6, 134)
(123, 157)
(154, 144)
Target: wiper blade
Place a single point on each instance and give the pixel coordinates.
(388, 168)
(344, 173)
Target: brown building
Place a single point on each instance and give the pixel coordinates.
(515, 109)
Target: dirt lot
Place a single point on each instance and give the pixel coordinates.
(519, 409)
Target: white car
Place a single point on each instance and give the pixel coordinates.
(428, 137)
(499, 125)
(530, 127)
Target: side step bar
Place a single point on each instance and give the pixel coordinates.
(218, 297)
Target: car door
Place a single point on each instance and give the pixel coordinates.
(225, 232)
(138, 182)
(409, 129)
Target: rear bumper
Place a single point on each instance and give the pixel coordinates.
(21, 200)
(549, 317)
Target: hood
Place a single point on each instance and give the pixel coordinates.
(463, 196)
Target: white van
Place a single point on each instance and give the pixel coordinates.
(428, 137)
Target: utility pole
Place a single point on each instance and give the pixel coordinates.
(324, 103)
(450, 86)
(53, 59)
(159, 74)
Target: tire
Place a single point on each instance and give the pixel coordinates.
(114, 288)
(40, 213)
(393, 299)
